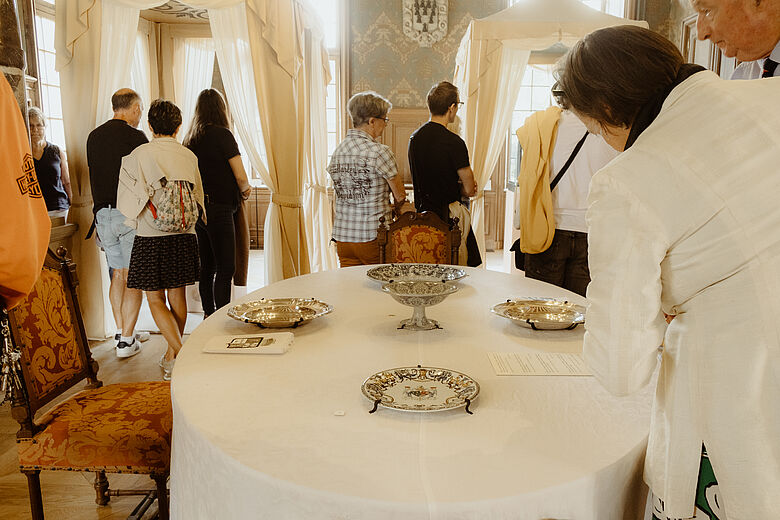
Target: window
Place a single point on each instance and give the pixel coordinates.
(49, 78)
(332, 14)
(535, 91)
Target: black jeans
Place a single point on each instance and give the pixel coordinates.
(565, 263)
(217, 245)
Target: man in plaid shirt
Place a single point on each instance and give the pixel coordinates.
(363, 172)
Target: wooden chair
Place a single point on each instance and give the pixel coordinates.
(419, 238)
(119, 428)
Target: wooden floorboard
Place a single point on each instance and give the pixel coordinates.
(69, 495)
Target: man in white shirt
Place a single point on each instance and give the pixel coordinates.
(747, 29)
(565, 262)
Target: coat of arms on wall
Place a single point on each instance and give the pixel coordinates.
(425, 21)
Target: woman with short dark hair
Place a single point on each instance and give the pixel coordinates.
(684, 224)
(160, 193)
(225, 185)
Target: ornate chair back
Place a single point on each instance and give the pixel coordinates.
(48, 330)
(419, 238)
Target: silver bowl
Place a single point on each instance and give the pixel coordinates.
(414, 272)
(279, 312)
(419, 294)
(542, 313)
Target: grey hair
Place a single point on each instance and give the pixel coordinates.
(365, 105)
(36, 112)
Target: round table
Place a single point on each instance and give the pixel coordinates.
(290, 436)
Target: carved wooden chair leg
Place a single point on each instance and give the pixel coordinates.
(34, 489)
(101, 488)
(162, 494)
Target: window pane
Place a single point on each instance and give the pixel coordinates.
(56, 132)
(332, 143)
(331, 101)
(332, 120)
(54, 105)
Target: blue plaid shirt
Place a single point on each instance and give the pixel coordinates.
(361, 168)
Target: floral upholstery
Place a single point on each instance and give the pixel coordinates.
(121, 428)
(47, 333)
(419, 244)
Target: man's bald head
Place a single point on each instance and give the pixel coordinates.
(127, 106)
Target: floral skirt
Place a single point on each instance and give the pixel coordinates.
(708, 504)
(164, 262)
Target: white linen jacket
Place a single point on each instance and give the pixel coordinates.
(144, 168)
(687, 221)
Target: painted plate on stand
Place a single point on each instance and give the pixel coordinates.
(421, 389)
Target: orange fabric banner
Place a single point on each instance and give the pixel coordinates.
(24, 224)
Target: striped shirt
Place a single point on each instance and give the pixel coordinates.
(361, 168)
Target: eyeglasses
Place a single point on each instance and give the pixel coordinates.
(385, 119)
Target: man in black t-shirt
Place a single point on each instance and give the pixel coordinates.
(439, 161)
(106, 145)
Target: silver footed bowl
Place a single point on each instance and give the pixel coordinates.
(415, 272)
(279, 312)
(542, 313)
(419, 294)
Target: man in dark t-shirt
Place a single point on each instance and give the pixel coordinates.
(439, 162)
(106, 145)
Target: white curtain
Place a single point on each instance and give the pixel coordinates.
(316, 204)
(140, 76)
(488, 75)
(260, 43)
(231, 42)
(193, 70)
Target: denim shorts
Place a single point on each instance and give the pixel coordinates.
(115, 237)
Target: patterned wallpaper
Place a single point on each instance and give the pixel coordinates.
(383, 59)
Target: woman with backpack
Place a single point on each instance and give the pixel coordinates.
(225, 184)
(160, 192)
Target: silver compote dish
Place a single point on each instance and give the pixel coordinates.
(542, 313)
(279, 312)
(419, 294)
(415, 272)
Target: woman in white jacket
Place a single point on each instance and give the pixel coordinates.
(160, 192)
(685, 223)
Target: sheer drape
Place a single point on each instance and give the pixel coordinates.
(488, 76)
(140, 79)
(316, 204)
(270, 33)
(193, 70)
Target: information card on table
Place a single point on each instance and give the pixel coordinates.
(538, 364)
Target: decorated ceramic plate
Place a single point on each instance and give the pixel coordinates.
(279, 312)
(542, 313)
(420, 389)
(416, 272)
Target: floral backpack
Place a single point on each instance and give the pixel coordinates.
(173, 207)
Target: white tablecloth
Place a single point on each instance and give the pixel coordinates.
(264, 436)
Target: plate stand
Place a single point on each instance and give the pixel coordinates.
(419, 321)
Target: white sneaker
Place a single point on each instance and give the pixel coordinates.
(167, 367)
(125, 350)
(140, 336)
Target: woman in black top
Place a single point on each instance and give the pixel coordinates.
(51, 167)
(225, 185)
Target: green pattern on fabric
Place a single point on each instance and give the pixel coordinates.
(707, 499)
